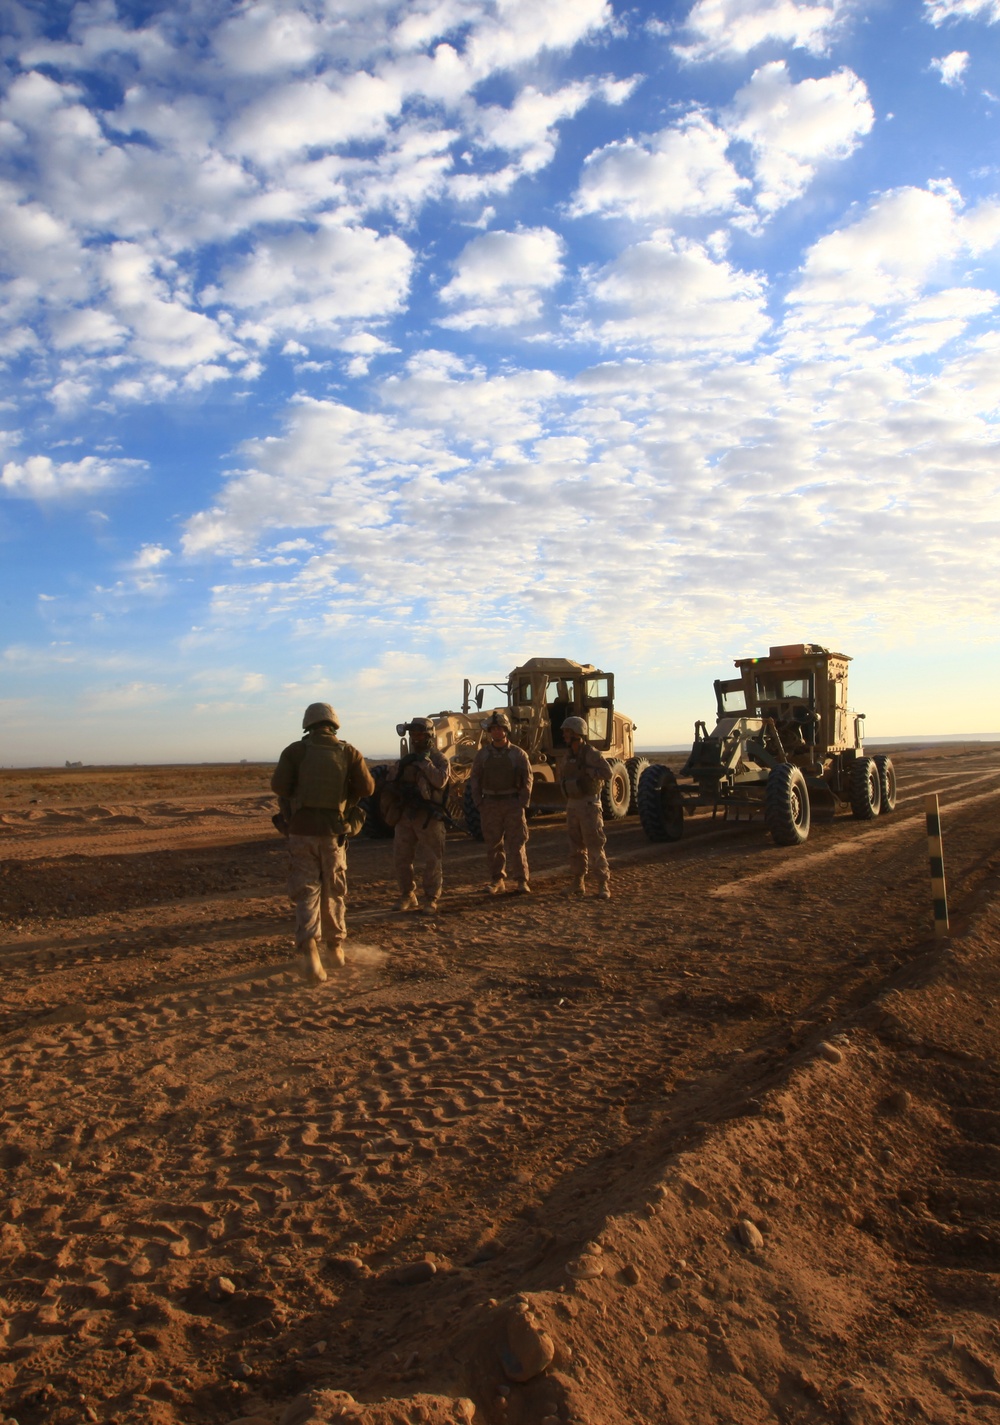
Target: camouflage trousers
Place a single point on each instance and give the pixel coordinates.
(505, 831)
(585, 829)
(317, 883)
(413, 842)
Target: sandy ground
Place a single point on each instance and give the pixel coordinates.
(724, 1150)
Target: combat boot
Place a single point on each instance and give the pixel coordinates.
(312, 963)
(430, 907)
(495, 888)
(577, 889)
(521, 888)
(604, 891)
(335, 952)
(407, 902)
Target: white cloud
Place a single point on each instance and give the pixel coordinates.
(70, 394)
(792, 128)
(499, 278)
(150, 556)
(527, 129)
(938, 11)
(215, 151)
(41, 478)
(316, 113)
(929, 323)
(352, 473)
(461, 408)
(952, 67)
(671, 295)
(87, 328)
(95, 35)
(640, 473)
(514, 31)
(16, 341)
(890, 253)
(263, 39)
(679, 171)
(729, 29)
(166, 332)
(321, 281)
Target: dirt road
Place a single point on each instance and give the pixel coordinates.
(724, 1149)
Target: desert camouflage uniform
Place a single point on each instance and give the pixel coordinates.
(582, 775)
(317, 846)
(420, 831)
(501, 780)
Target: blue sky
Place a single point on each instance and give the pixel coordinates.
(352, 347)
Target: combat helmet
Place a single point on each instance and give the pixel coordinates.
(577, 725)
(319, 712)
(416, 724)
(497, 719)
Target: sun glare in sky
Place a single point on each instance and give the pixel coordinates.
(351, 347)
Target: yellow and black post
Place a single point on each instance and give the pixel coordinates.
(935, 851)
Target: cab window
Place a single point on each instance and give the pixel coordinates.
(598, 722)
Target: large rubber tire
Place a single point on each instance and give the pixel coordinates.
(786, 806)
(887, 783)
(661, 808)
(616, 794)
(473, 823)
(375, 827)
(866, 789)
(636, 766)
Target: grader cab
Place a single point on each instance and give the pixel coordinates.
(540, 695)
(537, 697)
(784, 741)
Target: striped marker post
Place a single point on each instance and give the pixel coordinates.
(935, 852)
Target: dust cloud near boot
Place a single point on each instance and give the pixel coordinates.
(312, 963)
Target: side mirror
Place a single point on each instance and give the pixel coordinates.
(401, 729)
(479, 698)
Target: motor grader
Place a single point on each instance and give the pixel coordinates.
(537, 696)
(784, 743)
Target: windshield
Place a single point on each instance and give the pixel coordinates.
(771, 687)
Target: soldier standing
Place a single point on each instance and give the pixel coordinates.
(583, 771)
(501, 780)
(319, 782)
(421, 778)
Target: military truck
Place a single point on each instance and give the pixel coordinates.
(537, 697)
(784, 742)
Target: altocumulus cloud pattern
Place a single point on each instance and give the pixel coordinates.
(349, 347)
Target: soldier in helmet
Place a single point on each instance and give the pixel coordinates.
(501, 780)
(319, 782)
(421, 778)
(583, 771)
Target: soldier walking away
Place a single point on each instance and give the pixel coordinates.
(583, 771)
(319, 782)
(421, 778)
(501, 780)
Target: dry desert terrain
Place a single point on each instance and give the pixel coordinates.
(721, 1151)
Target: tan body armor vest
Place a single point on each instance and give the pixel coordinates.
(322, 778)
(499, 773)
